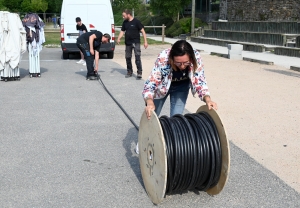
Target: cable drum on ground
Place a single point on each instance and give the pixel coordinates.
(193, 150)
(181, 153)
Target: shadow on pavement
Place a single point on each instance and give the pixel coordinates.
(132, 158)
(292, 74)
(25, 72)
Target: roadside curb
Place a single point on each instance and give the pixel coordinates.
(258, 61)
(295, 68)
(219, 54)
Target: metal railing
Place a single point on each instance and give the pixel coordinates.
(162, 32)
(251, 37)
(267, 27)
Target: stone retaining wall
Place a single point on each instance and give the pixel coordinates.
(260, 10)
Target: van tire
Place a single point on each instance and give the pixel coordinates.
(65, 55)
(110, 55)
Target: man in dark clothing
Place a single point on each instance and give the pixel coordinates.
(81, 28)
(133, 27)
(89, 44)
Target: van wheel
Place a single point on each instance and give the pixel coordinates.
(110, 55)
(65, 55)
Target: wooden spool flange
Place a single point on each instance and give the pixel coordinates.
(152, 156)
(225, 150)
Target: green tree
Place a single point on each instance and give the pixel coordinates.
(37, 5)
(169, 8)
(34, 5)
(54, 6)
(26, 6)
(2, 7)
(13, 5)
(126, 4)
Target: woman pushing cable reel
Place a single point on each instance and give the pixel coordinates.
(181, 153)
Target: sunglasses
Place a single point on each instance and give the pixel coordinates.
(182, 63)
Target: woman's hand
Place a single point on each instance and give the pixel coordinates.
(150, 106)
(210, 104)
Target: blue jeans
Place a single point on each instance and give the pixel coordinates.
(178, 96)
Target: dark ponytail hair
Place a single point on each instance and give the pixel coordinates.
(181, 48)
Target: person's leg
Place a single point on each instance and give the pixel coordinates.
(159, 103)
(81, 61)
(90, 65)
(88, 57)
(178, 97)
(138, 62)
(128, 55)
(81, 56)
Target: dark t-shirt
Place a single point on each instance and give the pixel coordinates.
(81, 28)
(84, 38)
(178, 77)
(132, 28)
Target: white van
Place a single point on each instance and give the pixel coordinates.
(95, 15)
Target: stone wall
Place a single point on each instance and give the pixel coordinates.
(260, 10)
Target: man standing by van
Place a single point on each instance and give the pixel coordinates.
(81, 28)
(89, 44)
(133, 27)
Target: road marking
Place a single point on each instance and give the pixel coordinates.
(40, 60)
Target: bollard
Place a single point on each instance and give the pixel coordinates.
(235, 51)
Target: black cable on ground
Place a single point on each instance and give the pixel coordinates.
(137, 128)
(193, 151)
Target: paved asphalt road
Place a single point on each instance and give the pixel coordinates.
(65, 143)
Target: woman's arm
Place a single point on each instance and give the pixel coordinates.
(200, 84)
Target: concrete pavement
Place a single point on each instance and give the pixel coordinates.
(65, 143)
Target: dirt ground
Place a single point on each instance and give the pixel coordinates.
(259, 106)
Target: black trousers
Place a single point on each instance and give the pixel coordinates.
(128, 55)
(89, 58)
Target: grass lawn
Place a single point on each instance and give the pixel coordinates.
(53, 38)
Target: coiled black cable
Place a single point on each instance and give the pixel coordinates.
(193, 151)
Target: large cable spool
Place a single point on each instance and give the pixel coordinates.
(155, 152)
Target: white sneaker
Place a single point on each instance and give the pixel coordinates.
(80, 61)
(84, 64)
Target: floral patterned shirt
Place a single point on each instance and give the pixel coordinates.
(159, 81)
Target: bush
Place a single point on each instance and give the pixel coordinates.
(183, 26)
(174, 30)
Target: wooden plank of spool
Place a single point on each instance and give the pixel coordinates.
(152, 157)
(225, 151)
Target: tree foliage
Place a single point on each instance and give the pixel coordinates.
(126, 4)
(2, 7)
(168, 8)
(49, 6)
(12, 5)
(34, 5)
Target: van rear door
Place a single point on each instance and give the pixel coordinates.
(102, 23)
(71, 34)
